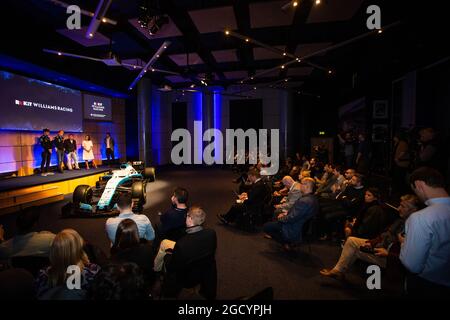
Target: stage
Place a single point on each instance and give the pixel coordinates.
(21, 192)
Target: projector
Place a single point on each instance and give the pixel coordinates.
(114, 61)
(166, 88)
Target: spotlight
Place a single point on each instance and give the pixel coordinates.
(254, 88)
(192, 85)
(282, 67)
(284, 54)
(91, 35)
(104, 20)
(330, 71)
(295, 3)
(59, 54)
(227, 32)
(247, 40)
(317, 2)
(380, 31)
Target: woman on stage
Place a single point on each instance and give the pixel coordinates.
(88, 151)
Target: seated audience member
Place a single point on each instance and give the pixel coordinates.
(328, 181)
(128, 248)
(378, 249)
(26, 242)
(66, 250)
(339, 185)
(182, 260)
(125, 205)
(293, 194)
(247, 202)
(16, 284)
(371, 220)
(174, 218)
(348, 201)
(120, 282)
(426, 248)
(288, 227)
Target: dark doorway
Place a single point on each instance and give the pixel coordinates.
(246, 114)
(179, 115)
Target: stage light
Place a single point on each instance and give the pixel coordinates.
(295, 3)
(153, 70)
(247, 40)
(284, 54)
(145, 71)
(317, 2)
(192, 85)
(104, 20)
(252, 78)
(285, 80)
(227, 32)
(380, 31)
(330, 71)
(298, 60)
(59, 54)
(134, 67)
(254, 88)
(91, 35)
(282, 67)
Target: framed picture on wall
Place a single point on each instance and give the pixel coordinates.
(380, 132)
(380, 109)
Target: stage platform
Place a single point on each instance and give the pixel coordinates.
(21, 192)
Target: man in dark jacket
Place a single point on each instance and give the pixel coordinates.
(288, 227)
(109, 147)
(47, 147)
(252, 201)
(192, 260)
(70, 148)
(173, 221)
(59, 145)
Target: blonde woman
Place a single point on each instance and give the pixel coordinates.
(66, 250)
(88, 151)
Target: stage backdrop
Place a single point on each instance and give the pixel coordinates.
(21, 152)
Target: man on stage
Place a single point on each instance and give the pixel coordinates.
(70, 148)
(59, 144)
(109, 144)
(46, 154)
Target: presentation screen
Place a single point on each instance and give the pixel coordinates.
(29, 104)
(97, 108)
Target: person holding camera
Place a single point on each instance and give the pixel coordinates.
(377, 250)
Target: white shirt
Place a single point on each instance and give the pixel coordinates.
(107, 143)
(426, 249)
(143, 223)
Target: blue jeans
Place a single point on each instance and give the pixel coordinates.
(273, 229)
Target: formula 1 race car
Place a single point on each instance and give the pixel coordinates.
(101, 200)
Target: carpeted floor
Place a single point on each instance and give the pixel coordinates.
(247, 263)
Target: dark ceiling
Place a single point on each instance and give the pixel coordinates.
(197, 27)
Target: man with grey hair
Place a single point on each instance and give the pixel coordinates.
(287, 229)
(191, 260)
(293, 194)
(196, 242)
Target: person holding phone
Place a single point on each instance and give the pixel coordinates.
(375, 250)
(88, 151)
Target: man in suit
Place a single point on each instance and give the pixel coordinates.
(47, 147)
(70, 148)
(190, 260)
(247, 202)
(294, 193)
(109, 145)
(288, 227)
(58, 141)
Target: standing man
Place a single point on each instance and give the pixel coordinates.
(59, 144)
(46, 154)
(70, 148)
(109, 144)
(426, 246)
